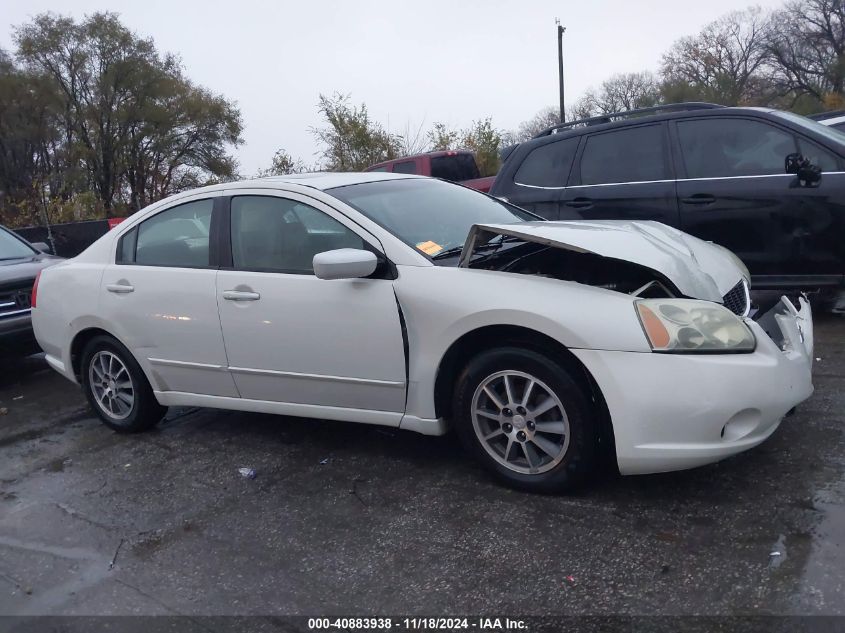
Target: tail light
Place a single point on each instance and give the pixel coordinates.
(34, 296)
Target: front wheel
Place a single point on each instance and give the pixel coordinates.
(116, 387)
(527, 420)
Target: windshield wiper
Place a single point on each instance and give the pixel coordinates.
(449, 252)
(456, 250)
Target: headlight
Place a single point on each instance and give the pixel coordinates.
(687, 325)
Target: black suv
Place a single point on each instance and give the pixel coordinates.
(768, 185)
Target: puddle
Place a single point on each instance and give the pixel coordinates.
(777, 556)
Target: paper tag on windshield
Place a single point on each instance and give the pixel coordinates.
(429, 247)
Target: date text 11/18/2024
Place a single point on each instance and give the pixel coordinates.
(418, 624)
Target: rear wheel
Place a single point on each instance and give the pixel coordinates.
(525, 417)
(116, 387)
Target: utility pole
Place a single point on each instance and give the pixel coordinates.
(560, 31)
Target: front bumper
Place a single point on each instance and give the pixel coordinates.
(677, 411)
(16, 336)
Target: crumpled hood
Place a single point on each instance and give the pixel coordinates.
(698, 269)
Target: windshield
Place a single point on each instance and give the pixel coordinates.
(808, 124)
(431, 215)
(13, 248)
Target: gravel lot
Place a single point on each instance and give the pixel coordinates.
(350, 519)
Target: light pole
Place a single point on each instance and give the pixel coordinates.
(560, 32)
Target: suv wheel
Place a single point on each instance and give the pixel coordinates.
(526, 419)
(116, 387)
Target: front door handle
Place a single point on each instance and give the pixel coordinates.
(699, 198)
(579, 203)
(240, 295)
(120, 288)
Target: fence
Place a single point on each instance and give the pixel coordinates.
(69, 239)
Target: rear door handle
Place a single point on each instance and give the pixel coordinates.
(699, 198)
(240, 295)
(120, 288)
(579, 203)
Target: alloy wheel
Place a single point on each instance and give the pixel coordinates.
(111, 385)
(520, 422)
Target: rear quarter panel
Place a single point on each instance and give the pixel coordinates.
(68, 298)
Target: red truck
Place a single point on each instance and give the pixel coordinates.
(454, 165)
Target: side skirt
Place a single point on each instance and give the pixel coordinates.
(365, 416)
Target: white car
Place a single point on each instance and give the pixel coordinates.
(415, 303)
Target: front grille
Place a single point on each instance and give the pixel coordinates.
(15, 300)
(736, 300)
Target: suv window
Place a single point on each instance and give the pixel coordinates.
(629, 155)
(457, 167)
(548, 165)
(176, 237)
(282, 235)
(721, 147)
(405, 167)
(818, 155)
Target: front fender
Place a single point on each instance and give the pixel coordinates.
(440, 305)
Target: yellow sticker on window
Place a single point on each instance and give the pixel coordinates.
(429, 247)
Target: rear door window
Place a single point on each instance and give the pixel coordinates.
(718, 147)
(548, 165)
(177, 237)
(635, 154)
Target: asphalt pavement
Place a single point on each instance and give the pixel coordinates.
(352, 519)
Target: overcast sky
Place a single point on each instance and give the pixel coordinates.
(410, 62)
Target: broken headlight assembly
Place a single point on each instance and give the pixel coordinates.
(689, 326)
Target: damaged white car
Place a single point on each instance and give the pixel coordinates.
(360, 297)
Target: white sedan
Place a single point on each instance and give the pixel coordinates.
(414, 303)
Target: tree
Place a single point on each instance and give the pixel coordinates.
(486, 142)
(480, 137)
(283, 164)
(351, 141)
(129, 122)
(628, 91)
(441, 137)
(621, 92)
(177, 140)
(722, 63)
(26, 131)
(412, 141)
(807, 51)
(543, 120)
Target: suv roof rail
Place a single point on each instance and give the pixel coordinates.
(607, 118)
(821, 116)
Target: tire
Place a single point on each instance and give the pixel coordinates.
(116, 387)
(542, 451)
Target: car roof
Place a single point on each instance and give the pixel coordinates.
(321, 181)
(325, 180)
(631, 118)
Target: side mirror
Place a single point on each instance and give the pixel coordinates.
(42, 247)
(344, 263)
(809, 175)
